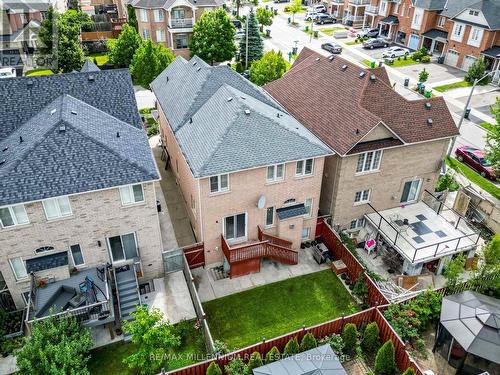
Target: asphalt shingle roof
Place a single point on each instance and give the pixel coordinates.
(213, 128)
(89, 66)
(165, 4)
(303, 89)
(291, 211)
(430, 4)
(489, 8)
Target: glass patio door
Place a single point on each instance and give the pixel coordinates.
(235, 227)
(410, 191)
(123, 247)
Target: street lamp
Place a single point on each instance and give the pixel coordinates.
(476, 81)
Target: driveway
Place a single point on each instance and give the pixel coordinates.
(437, 72)
(375, 53)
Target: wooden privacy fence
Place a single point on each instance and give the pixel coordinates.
(195, 255)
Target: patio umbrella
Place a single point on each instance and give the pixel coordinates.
(473, 320)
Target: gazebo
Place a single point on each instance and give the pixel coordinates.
(468, 335)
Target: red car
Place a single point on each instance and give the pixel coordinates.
(476, 159)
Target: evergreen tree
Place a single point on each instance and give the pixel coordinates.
(476, 71)
(254, 361)
(122, 50)
(213, 37)
(291, 347)
(255, 45)
(385, 363)
(69, 53)
(350, 337)
(273, 355)
(132, 18)
(213, 369)
(409, 371)
(371, 342)
(149, 61)
(308, 342)
(269, 68)
(46, 32)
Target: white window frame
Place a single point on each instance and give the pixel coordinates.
(81, 252)
(58, 207)
(364, 196)
(130, 190)
(311, 205)
(265, 218)
(308, 235)
(441, 21)
(146, 34)
(417, 193)
(357, 223)
(13, 270)
(302, 172)
(160, 35)
(235, 239)
(14, 217)
(418, 15)
(369, 165)
(220, 189)
(475, 40)
(473, 12)
(159, 16)
(275, 177)
(124, 260)
(458, 31)
(143, 15)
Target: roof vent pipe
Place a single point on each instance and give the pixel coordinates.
(317, 58)
(429, 121)
(247, 111)
(62, 128)
(428, 105)
(190, 120)
(362, 74)
(91, 77)
(20, 139)
(373, 77)
(331, 57)
(344, 67)
(117, 134)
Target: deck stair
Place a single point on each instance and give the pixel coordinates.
(128, 295)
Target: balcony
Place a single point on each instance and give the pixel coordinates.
(372, 10)
(338, 2)
(180, 23)
(359, 2)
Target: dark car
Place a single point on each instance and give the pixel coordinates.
(375, 43)
(368, 33)
(281, 1)
(237, 24)
(476, 159)
(323, 18)
(332, 47)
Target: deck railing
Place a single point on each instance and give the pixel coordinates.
(263, 236)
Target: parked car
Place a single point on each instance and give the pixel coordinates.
(375, 43)
(332, 47)
(395, 52)
(311, 15)
(319, 8)
(7, 72)
(368, 33)
(323, 18)
(281, 1)
(476, 159)
(237, 24)
(240, 34)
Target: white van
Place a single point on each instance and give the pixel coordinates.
(7, 72)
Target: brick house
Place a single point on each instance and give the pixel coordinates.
(250, 174)
(388, 150)
(77, 200)
(170, 22)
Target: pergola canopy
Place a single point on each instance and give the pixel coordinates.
(473, 320)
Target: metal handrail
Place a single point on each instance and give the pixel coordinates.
(117, 293)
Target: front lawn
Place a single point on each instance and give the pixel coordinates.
(274, 309)
(100, 58)
(107, 360)
(38, 72)
(474, 177)
(330, 30)
(402, 62)
(452, 86)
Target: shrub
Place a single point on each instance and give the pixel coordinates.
(419, 54)
(371, 342)
(336, 343)
(385, 363)
(236, 367)
(350, 336)
(273, 355)
(308, 342)
(476, 71)
(420, 346)
(425, 59)
(360, 288)
(423, 76)
(220, 347)
(409, 371)
(446, 181)
(213, 369)
(291, 347)
(254, 361)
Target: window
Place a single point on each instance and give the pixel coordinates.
(145, 34)
(123, 247)
(269, 216)
(308, 204)
(178, 14)
(275, 173)
(475, 36)
(289, 202)
(417, 18)
(441, 21)
(18, 268)
(158, 15)
(383, 8)
(131, 194)
(44, 249)
(402, 10)
(13, 215)
(160, 35)
(410, 191)
(219, 184)
(304, 167)
(235, 227)
(77, 255)
(397, 6)
(57, 207)
(144, 15)
(369, 161)
(181, 41)
(362, 196)
(474, 12)
(458, 32)
(306, 232)
(357, 223)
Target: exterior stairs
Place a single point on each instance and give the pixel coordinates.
(128, 295)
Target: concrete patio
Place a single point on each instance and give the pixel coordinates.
(270, 271)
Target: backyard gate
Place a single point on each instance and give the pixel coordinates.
(173, 260)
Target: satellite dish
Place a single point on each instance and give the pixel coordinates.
(262, 202)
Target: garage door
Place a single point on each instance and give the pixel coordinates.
(414, 42)
(451, 58)
(468, 61)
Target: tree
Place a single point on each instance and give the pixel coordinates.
(350, 337)
(423, 76)
(122, 50)
(493, 138)
(254, 361)
(447, 181)
(152, 336)
(291, 347)
(453, 271)
(255, 46)
(56, 347)
(360, 288)
(236, 367)
(269, 68)
(308, 342)
(149, 61)
(213, 369)
(385, 363)
(46, 32)
(213, 37)
(489, 265)
(273, 355)
(265, 16)
(70, 56)
(476, 71)
(295, 7)
(371, 342)
(132, 18)
(409, 371)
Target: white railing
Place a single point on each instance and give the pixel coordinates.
(354, 18)
(371, 9)
(359, 2)
(180, 23)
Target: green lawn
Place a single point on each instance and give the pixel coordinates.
(399, 63)
(330, 30)
(107, 360)
(487, 126)
(38, 72)
(353, 42)
(452, 86)
(102, 58)
(274, 309)
(303, 10)
(368, 62)
(474, 177)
